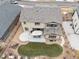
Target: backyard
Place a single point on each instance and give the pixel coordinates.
(37, 49)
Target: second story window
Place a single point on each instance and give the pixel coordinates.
(52, 25)
(37, 23)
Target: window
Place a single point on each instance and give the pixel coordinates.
(41, 29)
(37, 23)
(26, 28)
(24, 22)
(52, 36)
(52, 25)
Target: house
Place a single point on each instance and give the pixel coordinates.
(9, 16)
(76, 21)
(71, 29)
(41, 21)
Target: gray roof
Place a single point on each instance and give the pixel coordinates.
(8, 12)
(41, 14)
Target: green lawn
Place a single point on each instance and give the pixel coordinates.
(36, 49)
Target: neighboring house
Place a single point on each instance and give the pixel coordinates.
(9, 16)
(76, 21)
(46, 19)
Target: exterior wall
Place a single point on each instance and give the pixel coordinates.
(76, 22)
(9, 30)
(31, 25)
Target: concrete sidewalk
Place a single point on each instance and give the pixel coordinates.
(72, 37)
